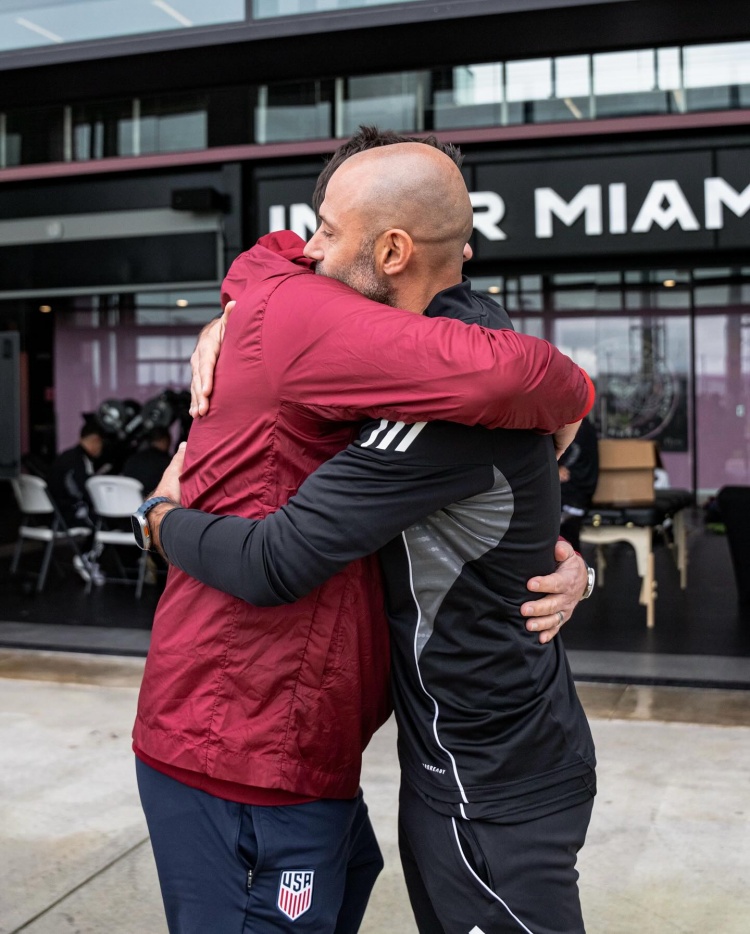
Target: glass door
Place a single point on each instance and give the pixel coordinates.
(722, 399)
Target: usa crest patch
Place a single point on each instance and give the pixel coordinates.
(295, 892)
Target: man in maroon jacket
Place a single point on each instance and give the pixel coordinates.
(252, 721)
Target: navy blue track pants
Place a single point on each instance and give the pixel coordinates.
(228, 868)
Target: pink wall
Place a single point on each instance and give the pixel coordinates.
(93, 364)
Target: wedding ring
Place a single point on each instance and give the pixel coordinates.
(562, 616)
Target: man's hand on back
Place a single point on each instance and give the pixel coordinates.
(168, 486)
(203, 362)
(563, 589)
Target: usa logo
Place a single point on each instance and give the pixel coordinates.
(295, 892)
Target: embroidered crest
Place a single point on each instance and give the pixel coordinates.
(295, 892)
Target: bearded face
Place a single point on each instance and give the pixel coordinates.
(360, 274)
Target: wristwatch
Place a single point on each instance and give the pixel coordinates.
(590, 581)
(139, 519)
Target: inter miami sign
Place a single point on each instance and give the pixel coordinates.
(602, 205)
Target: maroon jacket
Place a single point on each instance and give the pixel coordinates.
(288, 697)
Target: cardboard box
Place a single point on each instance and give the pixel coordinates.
(626, 472)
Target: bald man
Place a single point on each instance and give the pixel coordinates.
(251, 721)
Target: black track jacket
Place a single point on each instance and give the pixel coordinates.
(490, 726)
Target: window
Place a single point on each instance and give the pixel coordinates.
(171, 124)
(299, 110)
(102, 130)
(470, 95)
(263, 9)
(53, 23)
(395, 101)
(34, 135)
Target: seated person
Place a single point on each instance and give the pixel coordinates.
(579, 473)
(148, 463)
(69, 473)
(67, 487)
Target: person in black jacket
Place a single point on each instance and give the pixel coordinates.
(579, 474)
(69, 473)
(149, 463)
(67, 487)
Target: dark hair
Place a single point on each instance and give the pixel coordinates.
(158, 434)
(370, 137)
(91, 428)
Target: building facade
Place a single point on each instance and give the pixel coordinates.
(607, 152)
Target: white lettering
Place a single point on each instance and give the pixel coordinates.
(588, 202)
(720, 194)
(276, 218)
(433, 768)
(675, 211)
(493, 211)
(302, 220)
(618, 208)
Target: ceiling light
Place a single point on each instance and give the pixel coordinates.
(170, 11)
(45, 309)
(182, 303)
(494, 289)
(39, 30)
(669, 283)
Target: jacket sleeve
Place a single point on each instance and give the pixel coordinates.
(344, 357)
(350, 507)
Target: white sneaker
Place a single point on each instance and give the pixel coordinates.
(80, 565)
(89, 570)
(97, 575)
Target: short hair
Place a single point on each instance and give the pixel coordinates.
(91, 428)
(370, 137)
(157, 434)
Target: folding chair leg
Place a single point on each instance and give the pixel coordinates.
(45, 566)
(16, 555)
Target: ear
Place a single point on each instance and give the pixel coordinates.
(393, 251)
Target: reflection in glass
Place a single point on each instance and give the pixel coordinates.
(102, 130)
(641, 367)
(34, 134)
(50, 24)
(625, 83)
(299, 110)
(470, 95)
(717, 76)
(172, 124)
(722, 389)
(263, 9)
(395, 101)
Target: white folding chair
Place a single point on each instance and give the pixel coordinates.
(41, 521)
(116, 497)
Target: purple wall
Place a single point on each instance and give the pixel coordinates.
(118, 362)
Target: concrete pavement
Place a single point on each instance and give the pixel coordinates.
(668, 849)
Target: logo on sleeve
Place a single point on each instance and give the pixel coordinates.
(389, 432)
(295, 892)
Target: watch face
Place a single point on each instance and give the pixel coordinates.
(590, 581)
(138, 532)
